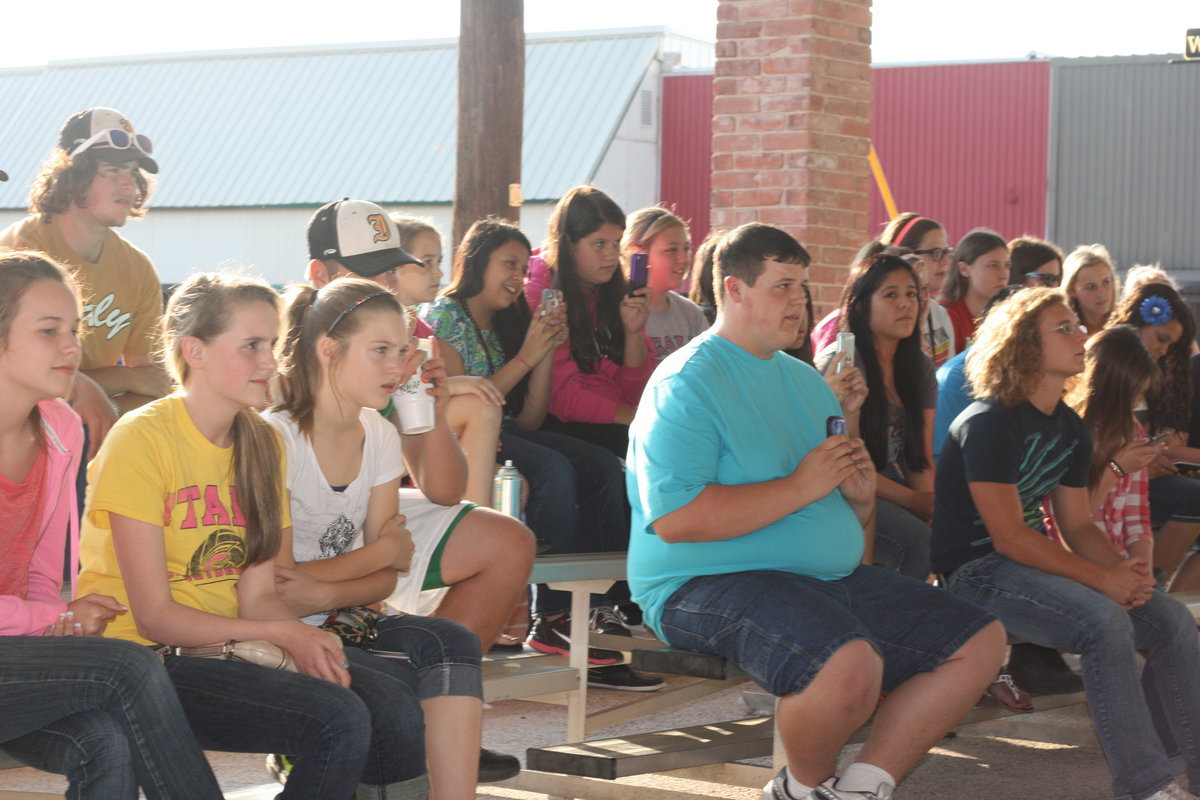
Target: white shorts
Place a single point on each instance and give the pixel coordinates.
(429, 524)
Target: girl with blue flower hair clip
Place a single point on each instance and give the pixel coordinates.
(1168, 331)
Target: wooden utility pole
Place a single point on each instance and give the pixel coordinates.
(491, 108)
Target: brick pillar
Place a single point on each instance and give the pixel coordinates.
(792, 126)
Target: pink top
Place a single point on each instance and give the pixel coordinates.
(1125, 513)
(825, 331)
(32, 614)
(538, 277)
(577, 396)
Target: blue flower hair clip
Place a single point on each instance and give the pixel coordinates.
(1156, 310)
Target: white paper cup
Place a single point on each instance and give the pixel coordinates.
(412, 401)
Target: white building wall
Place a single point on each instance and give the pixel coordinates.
(267, 242)
(629, 170)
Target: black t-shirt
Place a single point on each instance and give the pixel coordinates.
(994, 444)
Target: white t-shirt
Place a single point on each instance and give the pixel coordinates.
(325, 522)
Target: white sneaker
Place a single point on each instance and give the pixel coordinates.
(1172, 791)
(777, 790)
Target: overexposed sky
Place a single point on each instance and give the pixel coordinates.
(904, 30)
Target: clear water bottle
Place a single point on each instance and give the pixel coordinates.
(506, 491)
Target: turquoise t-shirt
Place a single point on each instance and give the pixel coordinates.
(714, 413)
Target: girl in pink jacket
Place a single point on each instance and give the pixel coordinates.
(100, 711)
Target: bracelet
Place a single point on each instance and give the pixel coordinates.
(528, 366)
(1116, 468)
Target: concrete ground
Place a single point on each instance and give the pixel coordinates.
(1051, 754)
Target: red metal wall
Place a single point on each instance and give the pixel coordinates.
(965, 144)
(686, 165)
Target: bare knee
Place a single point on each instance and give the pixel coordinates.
(849, 681)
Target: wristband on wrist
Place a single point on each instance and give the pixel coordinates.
(527, 365)
(1116, 468)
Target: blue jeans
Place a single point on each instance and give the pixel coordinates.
(1061, 613)
(372, 733)
(1174, 497)
(576, 500)
(780, 628)
(443, 656)
(103, 713)
(902, 540)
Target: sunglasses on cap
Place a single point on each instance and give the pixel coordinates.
(117, 139)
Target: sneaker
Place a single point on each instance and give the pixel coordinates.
(279, 766)
(777, 790)
(631, 614)
(495, 767)
(1041, 670)
(554, 636)
(1172, 791)
(606, 620)
(623, 679)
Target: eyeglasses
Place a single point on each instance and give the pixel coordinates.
(1047, 278)
(936, 253)
(118, 140)
(1069, 328)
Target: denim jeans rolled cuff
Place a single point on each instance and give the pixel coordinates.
(781, 628)
(1174, 498)
(902, 540)
(444, 656)
(1061, 613)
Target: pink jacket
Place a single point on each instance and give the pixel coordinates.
(63, 434)
(577, 396)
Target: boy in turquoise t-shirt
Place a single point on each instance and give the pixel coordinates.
(750, 525)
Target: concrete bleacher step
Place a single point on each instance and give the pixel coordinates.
(654, 752)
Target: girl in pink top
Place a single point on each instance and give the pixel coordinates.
(599, 373)
(100, 711)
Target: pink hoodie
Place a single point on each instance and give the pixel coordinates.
(577, 396)
(63, 434)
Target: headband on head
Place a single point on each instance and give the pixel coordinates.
(1156, 310)
(353, 306)
(896, 240)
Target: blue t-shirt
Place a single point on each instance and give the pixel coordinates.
(714, 414)
(953, 396)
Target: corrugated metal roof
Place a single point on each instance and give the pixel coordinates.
(1124, 161)
(964, 144)
(302, 125)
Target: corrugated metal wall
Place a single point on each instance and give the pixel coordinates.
(964, 144)
(1124, 163)
(686, 162)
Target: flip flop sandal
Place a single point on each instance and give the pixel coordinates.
(1005, 692)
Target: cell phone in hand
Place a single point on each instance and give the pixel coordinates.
(639, 271)
(835, 426)
(845, 344)
(551, 300)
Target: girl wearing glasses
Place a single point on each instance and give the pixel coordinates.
(1033, 263)
(1090, 282)
(980, 270)
(880, 307)
(674, 320)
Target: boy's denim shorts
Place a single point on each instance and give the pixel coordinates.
(780, 628)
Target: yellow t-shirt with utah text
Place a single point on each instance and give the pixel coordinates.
(156, 467)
